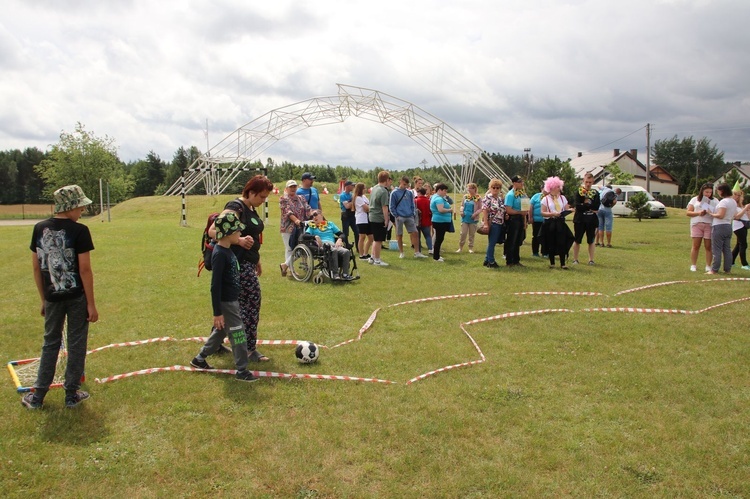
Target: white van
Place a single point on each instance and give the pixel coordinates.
(656, 208)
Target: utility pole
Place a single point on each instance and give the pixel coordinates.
(526, 151)
(648, 157)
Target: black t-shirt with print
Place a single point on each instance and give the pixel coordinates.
(253, 227)
(57, 243)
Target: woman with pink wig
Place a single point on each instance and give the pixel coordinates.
(557, 234)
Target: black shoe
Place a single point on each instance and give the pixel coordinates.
(364, 257)
(29, 401)
(75, 399)
(486, 263)
(246, 376)
(493, 265)
(200, 364)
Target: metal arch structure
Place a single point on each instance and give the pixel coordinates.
(218, 167)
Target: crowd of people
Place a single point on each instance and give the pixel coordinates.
(713, 221)
(64, 279)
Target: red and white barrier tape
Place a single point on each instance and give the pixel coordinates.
(638, 310)
(454, 366)
(663, 310)
(668, 283)
(132, 343)
(435, 298)
(517, 314)
(260, 374)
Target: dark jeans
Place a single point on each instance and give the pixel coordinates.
(740, 248)
(440, 229)
(426, 232)
(348, 220)
(494, 237)
(78, 332)
(516, 228)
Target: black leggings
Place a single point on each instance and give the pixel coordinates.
(741, 246)
(440, 229)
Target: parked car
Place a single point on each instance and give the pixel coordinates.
(656, 210)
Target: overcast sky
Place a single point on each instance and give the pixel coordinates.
(555, 76)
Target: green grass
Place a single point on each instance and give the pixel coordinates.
(566, 404)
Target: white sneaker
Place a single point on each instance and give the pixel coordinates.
(400, 255)
(440, 259)
(693, 268)
(419, 255)
(380, 263)
(708, 268)
(471, 251)
(430, 252)
(458, 250)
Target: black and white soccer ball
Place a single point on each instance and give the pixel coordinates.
(307, 352)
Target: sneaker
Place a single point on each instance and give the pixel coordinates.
(364, 257)
(471, 250)
(591, 262)
(246, 376)
(745, 267)
(708, 268)
(458, 250)
(493, 265)
(419, 255)
(400, 255)
(371, 260)
(200, 364)
(75, 399)
(536, 255)
(440, 259)
(30, 402)
(430, 252)
(379, 263)
(693, 268)
(575, 262)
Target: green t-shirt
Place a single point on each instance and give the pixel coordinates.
(378, 198)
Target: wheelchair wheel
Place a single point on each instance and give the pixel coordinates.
(302, 263)
(318, 279)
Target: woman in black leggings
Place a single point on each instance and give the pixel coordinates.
(741, 224)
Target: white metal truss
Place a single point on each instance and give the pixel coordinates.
(221, 164)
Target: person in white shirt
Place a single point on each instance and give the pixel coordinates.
(740, 225)
(721, 232)
(699, 210)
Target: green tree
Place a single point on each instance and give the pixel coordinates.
(550, 167)
(688, 159)
(148, 175)
(638, 203)
(83, 158)
(733, 176)
(617, 176)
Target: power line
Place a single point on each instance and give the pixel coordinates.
(617, 140)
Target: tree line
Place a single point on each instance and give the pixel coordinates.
(30, 176)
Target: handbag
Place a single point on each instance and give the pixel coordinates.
(451, 227)
(483, 230)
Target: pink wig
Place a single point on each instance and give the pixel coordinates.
(553, 183)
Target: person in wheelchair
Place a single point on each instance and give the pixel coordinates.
(328, 235)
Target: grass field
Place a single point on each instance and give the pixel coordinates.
(569, 404)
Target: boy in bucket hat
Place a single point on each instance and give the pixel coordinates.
(225, 293)
(65, 281)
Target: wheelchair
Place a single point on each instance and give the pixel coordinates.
(312, 261)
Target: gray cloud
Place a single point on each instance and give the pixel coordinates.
(558, 78)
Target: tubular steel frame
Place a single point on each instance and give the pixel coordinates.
(218, 167)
